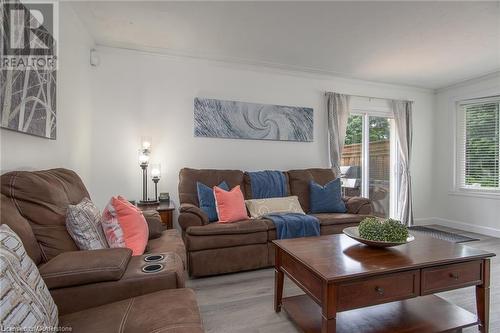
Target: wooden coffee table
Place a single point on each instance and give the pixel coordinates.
(358, 289)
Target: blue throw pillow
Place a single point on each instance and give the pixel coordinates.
(326, 199)
(206, 199)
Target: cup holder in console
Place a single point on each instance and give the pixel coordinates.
(153, 268)
(154, 257)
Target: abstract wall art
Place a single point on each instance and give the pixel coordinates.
(239, 120)
(29, 101)
(28, 73)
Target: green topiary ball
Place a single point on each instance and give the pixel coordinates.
(388, 230)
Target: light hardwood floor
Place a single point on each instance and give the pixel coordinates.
(243, 302)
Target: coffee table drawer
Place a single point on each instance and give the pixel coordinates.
(452, 276)
(377, 290)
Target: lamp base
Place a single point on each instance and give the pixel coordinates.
(148, 202)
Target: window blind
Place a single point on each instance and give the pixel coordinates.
(478, 147)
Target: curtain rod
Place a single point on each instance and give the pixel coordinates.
(371, 97)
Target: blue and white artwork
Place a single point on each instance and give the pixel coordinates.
(238, 120)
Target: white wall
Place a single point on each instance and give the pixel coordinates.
(473, 213)
(103, 111)
(143, 94)
(72, 147)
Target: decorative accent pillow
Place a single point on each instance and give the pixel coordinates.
(83, 223)
(125, 226)
(26, 303)
(261, 207)
(326, 199)
(230, 205)
(207, 200)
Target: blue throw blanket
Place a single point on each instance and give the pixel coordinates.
(268, 184)
(292, 225)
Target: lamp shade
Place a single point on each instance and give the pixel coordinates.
(156, 170)
(146, 142)
(143, 157)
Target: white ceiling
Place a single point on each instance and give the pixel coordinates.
(425, 44)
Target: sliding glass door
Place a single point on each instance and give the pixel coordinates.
(367, 161)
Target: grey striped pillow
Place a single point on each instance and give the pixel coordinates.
(25, 300)
(83, 222)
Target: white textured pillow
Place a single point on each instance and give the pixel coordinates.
(83, 222)
(261, 207)
(25, 300)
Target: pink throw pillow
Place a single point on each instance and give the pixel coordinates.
(125, 226)
(230, 205)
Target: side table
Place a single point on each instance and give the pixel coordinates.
(166, 210)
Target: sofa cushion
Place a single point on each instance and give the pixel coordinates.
(11, 217)
(210, 177)
(300, 179)
(338, 218)
(42, 197)
(84, 226)
(240, 227)
(25, 300)
(169, 311)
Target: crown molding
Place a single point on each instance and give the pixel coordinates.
(469, 81)
(262, 66)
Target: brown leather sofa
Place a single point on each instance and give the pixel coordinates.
(214, 248)
(96, 290)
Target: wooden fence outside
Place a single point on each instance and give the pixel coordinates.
(380, 158)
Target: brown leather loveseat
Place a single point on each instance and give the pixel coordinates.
(96, 290)
(214, 248)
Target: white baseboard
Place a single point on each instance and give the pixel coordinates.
(424, 220)
(489, 231)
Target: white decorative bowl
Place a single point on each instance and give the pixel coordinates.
(353, 232)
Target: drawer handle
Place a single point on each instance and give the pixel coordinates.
(454, 276)
(379, 290)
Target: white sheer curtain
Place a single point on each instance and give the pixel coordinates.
(402, 117)
(338, 109)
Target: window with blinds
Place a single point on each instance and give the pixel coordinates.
(478, 147)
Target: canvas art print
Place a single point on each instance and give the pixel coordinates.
(28, 73)
(29, 101)
(239, 120)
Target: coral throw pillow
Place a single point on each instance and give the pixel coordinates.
(230, 205)
(125, 226)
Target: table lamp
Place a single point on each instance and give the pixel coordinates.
(155, 176)
(144, 156)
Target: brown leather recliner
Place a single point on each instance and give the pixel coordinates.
(108, 285)
(214, 248)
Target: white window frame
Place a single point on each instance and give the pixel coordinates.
(366, 111)
(458, 189)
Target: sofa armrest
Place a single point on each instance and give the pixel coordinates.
(84, 267)
(358, 205)
(155, 227)
(191, 215)
(134, 282)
